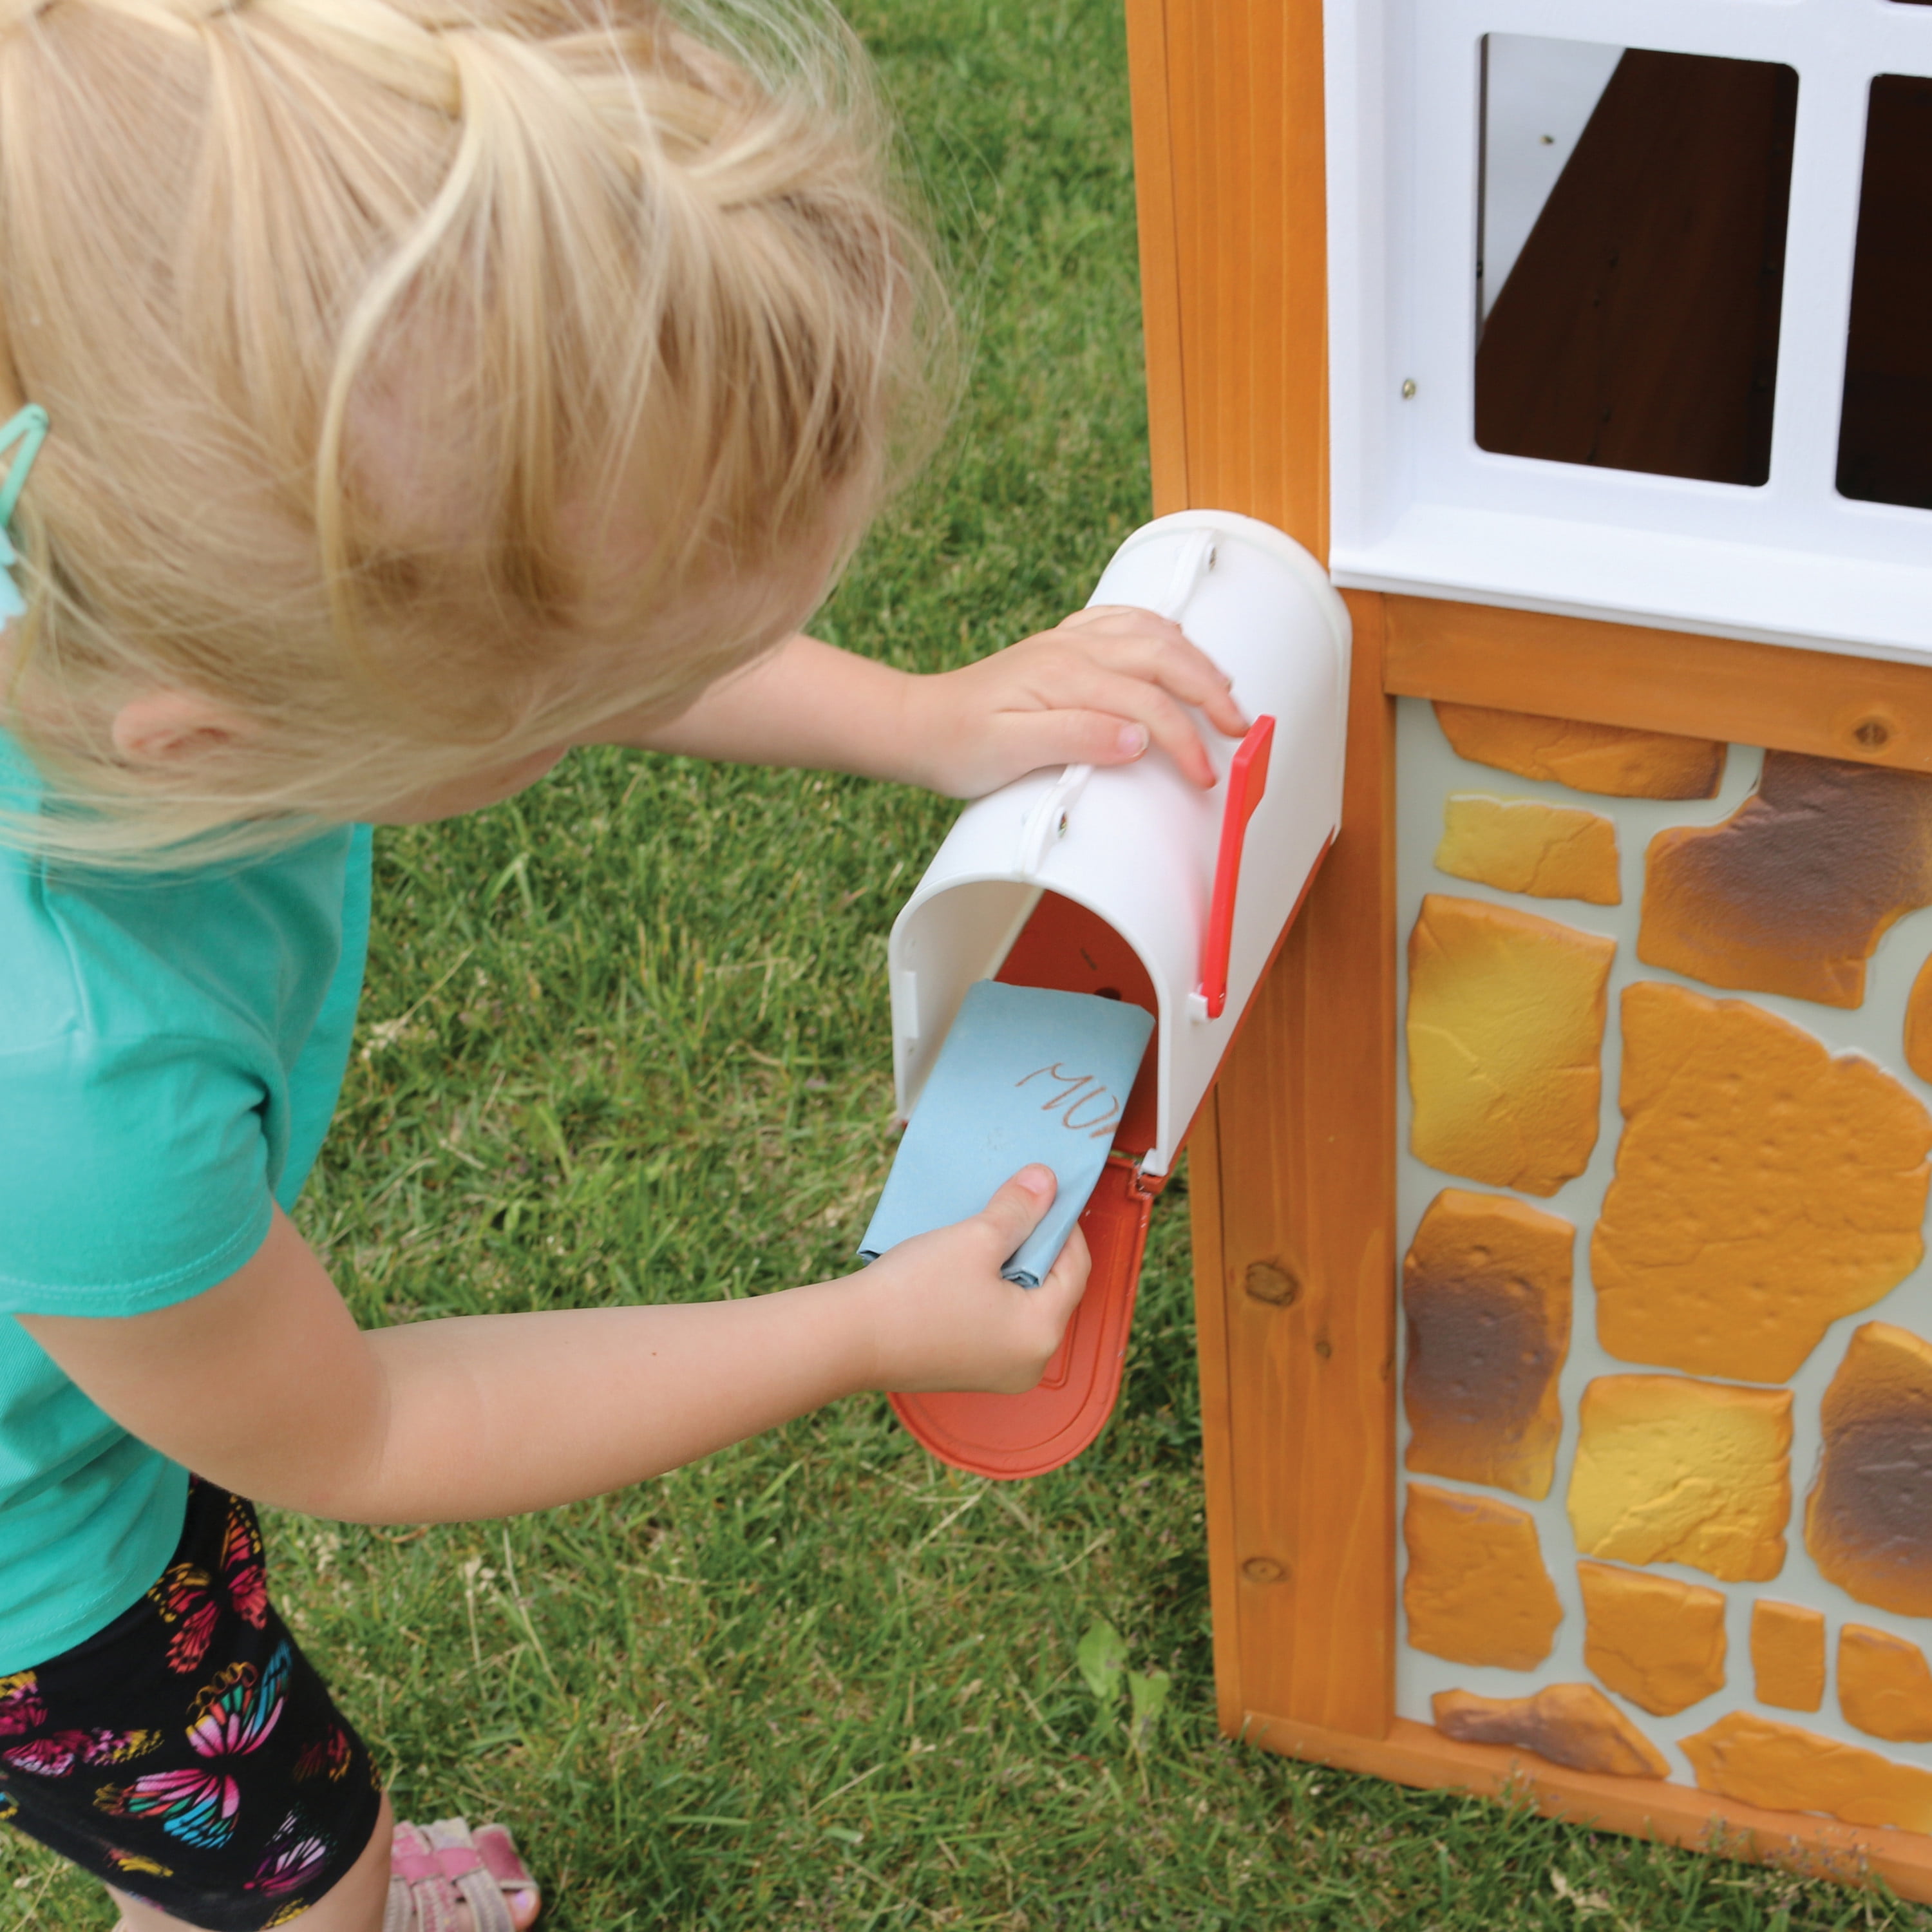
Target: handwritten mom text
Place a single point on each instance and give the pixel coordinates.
(1082, 1103)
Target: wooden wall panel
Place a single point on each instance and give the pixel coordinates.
(1870, 708)
(1301, 1258)
(1228, 154)
(1293, 1161)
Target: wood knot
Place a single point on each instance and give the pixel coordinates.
(1270, 1282)
(1264, 1570)
(1873, 733)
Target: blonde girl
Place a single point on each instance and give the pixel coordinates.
(407, 392)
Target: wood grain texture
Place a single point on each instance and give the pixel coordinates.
(1676, 1814)
(1870, 708)
(1301, 1254)
(1210, 1337)
(1160, 267)
(1228, 154)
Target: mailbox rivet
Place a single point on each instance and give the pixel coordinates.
(1062, 825)
(1270, 1282)
(1264, 1570)
(1408, 388)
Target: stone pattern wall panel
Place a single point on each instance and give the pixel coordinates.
(1477, 1591)
(1788, 1655)
(1658, 1642)
(1753, 1291)
(1787, 1769)
(1764, 1187)
(1569, 1723)
(1602, 758)
(1884, 1686)
(1486, 1291)
(1793, 892)
(1521, 845)
(1506, 1014)
(1868, 1519)
(1668, 1470)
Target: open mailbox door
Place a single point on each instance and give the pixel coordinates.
(1132, 883)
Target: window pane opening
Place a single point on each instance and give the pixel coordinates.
(1885, 429)
(1636, 326)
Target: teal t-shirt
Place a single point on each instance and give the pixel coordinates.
(171, 1050)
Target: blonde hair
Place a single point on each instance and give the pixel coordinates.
(430, 379)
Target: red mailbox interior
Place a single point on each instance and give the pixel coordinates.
(1067, 948)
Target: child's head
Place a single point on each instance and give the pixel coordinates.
(429, 380)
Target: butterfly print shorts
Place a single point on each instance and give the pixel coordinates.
(188, 1753)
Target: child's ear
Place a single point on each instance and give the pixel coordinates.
(159, 727)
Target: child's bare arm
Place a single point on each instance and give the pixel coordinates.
(1097, 689)
(264, 1385)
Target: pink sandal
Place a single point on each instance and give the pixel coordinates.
(433, 1869)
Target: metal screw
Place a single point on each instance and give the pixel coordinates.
(1408, 388)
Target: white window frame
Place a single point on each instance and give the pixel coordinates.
(1416, 507)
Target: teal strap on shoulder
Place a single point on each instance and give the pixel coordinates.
(23, 434)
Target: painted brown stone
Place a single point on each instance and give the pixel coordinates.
(1868, 1519)
(1792, 893)
(1659, 1642)
(1788, 1655)
(1486, 1289)
(1603, 758)
(1506, 1014)
(1764, 1189)
(1519, 845)
(1918, 1024)
(1569, 1723)
(1884, 1687)
(1672, 1471)
(1476, 1591)
(1786, 1769)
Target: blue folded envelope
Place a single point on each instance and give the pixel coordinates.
(1025, 1075)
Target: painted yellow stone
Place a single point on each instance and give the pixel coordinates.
(1788, 1655)
(1605, 758)
(1659, 1642)
(1569, 1723)
(1764, 1188)
(1792, 892)
(1476, 1591)
(1884, 1687)
(1918, 1024)
(1520, 845)
(1506, 1014)
(1486, 1290)
(1786, 1769)
(1868, 1519)
(1672, 1471)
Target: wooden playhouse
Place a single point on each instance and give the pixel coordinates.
(1565, 1323)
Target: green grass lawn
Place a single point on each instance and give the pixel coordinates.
(626, 1038)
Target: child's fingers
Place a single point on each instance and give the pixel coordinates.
(1066, 1281)
(1014, 1211)
(1158, 652)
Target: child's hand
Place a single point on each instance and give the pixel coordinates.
(943, 1317)
(1096, 689)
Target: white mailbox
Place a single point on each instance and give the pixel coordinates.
(1133, 883)
(1139, 847)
